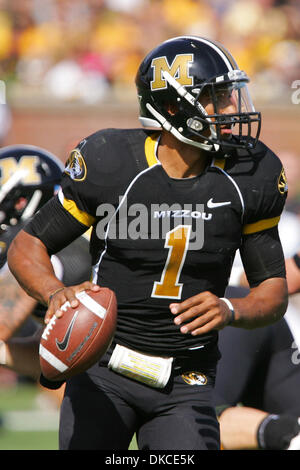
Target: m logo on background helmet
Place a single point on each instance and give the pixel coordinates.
(27, 163)
(179, 69)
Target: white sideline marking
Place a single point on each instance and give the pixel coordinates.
(31, 420)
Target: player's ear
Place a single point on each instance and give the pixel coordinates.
(171, 108)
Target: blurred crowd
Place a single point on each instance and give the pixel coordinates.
(85, 49)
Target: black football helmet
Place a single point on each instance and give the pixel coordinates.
(182, 73)
(29, 176)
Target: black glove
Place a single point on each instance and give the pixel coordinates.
(51, 384)
(276, 432)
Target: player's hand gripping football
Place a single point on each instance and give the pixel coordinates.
(201, 313)
(65, 294)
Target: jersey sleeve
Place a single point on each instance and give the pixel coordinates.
(95, 174)
(73, 210)
(76, 262)
(78, 186)
(265, 195)
(263, 186)
(262, 256)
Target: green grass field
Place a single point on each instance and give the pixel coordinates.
(26, 423)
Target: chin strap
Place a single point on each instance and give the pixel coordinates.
(32, 205)
(184, 93)
(165, 124)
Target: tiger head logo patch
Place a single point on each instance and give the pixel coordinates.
(282, 182)
(75, 166)
(194, 378)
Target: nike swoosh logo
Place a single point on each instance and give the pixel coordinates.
(62, 345)
(212, 205)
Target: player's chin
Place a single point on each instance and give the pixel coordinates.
(226, 133)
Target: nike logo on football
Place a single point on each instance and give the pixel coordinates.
(62, 345)
(212, 205)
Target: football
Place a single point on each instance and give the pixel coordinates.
(71, 344)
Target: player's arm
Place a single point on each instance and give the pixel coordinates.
(15, 305)
(239, 426)
(264, 265)
(245, 428)
(204, 312)
(29, 256)
(58, 223)
(262, 257)
(22, 355)
(31, 264)
(266, 302)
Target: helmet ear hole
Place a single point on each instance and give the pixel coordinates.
(172, 108)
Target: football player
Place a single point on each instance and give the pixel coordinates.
(29, 177)
(169, 206)
(259, 369)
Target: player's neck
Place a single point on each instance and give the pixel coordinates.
(180, 160)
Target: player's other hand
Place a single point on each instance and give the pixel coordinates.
(66, 294)
(201, 313)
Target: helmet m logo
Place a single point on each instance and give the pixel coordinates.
(179, 69)
(26, 164)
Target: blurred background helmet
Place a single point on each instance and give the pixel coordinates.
(29, 177)
(5, 121)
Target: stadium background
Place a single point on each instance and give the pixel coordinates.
(69, 65)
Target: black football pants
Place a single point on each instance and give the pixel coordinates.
(102, 410)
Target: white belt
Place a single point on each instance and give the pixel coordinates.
(154, 371)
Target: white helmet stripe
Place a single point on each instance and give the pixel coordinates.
(13, 181)
(213, 45)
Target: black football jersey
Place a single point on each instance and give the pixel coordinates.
(158, 240)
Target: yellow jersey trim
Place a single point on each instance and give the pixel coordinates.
(220, 163)
(260, 225)
(82, 217)
(150, 149)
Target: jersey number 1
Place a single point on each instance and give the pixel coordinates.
(177, 241)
